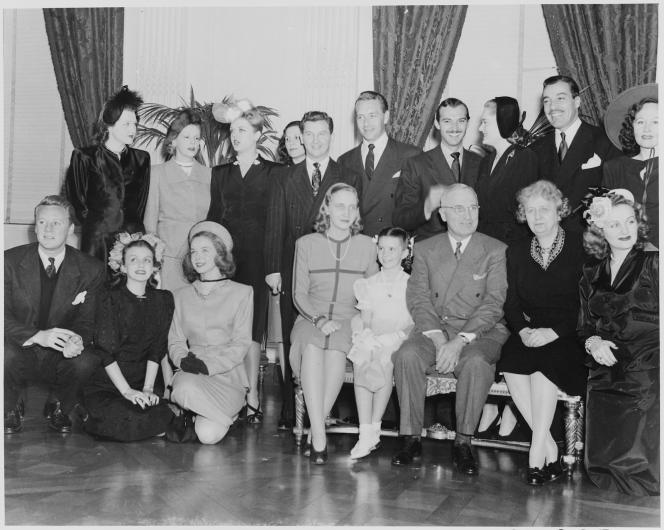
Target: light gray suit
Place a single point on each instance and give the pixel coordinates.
(453, 296)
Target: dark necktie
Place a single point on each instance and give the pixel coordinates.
(457, 251)
(315, 178)
(50, 270)
(562, 148)
(369, 162)
(456, 167)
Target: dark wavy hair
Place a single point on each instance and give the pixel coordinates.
(282, 152)
(317, 115)
(185, 118)
(123, 99)
(451, 102)
(322, 222)
(573, 85)
(119, 278)
(594, 241)
(370, 95)
(223, 260)
(629, 146)
(403, 236)
(548, 191)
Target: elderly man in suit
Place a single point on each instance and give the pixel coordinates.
(424, 177)
(378, 159)
(295, 199)
(50, 295)
(572, 155)
(455, 296)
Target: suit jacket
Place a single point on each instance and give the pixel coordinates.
(570, 176)
(378, 192)
(459, 296)
(418, 175)
(292, 211)
(78, 272)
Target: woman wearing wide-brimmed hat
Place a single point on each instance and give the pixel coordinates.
(632, 124)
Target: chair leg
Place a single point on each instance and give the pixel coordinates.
(300, 411)
(571, 429)
(260, 383)
(580, 433)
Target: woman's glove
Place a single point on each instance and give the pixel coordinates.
(193, 365)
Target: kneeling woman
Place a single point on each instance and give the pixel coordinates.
(131, 340)
(211, 334)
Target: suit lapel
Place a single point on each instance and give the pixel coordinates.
(29, 278)
(462, 268)
(355, 160)
(64, 293)
(446, 264)
(440, 168)
(577, 153)
(388, 158)
(302, 186)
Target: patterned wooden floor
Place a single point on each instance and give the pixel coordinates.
(255, 477)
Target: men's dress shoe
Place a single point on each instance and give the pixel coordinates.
(463, 459)
(318, 457)
(411, 451)
(535, 476)
(13, 422)
(553, 470)
(49, 408)
(59, 421)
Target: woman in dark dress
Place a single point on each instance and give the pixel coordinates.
(543, 354)
(507, 168)
(239, 194)
(131, 340)
(632, 124)
(108, 183)
(619, 322)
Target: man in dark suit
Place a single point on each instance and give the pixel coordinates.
(295, 199)
(455, 295)
(423, 177)
(50, 295)
(571, 156)
(378, 159)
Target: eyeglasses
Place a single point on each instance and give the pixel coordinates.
(459, 209)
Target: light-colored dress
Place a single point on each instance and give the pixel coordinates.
(216, 327)
(176, 202)
(323, 277)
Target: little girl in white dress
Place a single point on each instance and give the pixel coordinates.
(383, 324)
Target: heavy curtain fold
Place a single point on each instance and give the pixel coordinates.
(414, 47)
(605, 48)
(86, 49)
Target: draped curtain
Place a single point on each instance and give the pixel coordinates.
(414, 47)
(606, 48)
(86, 49)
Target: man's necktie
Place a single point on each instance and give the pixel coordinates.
(315, 178)
(50, 270)
(562, 148)
(456, 167)
(457, 251)
(369, 162)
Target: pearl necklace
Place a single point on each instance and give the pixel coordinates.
(332, 251)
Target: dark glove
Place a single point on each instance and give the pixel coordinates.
(193, 365)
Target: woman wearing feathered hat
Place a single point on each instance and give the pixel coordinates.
(632, 124)
(108, 183)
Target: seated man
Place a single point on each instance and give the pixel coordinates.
(50, 295)
(455, 295)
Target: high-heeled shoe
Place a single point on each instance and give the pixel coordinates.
(318, 457)
(251, 414)
(491, 432)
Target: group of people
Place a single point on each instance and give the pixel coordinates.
(533, 257)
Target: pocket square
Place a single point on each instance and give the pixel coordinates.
(80, 298)
(594, 161)
(397, 175)
(479, 276)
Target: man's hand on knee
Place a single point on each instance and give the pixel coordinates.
(55, 338)
(447, 356)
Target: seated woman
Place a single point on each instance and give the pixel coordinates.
(543, 355)
(131, 340)
(632, 124)
(383, 324)
(619, 322)
(327, 263)
(210, 334)
(179, 194)
(290, 150)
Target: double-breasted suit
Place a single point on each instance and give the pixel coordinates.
(291, 214)
(580, 169)
(69, 309)
(453, 296)
(378, 192)
(418, 175)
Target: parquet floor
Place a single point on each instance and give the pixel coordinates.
(255, 477)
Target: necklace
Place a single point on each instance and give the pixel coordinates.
(332, 251)
(190, 164)
(389, 284)
(215, 280)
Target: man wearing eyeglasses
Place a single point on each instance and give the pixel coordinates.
(455, 295)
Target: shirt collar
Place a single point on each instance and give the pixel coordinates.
(380, 144)
(570, 132)
(464, 242)
(322, 167)
(58, 259)
(447, 153)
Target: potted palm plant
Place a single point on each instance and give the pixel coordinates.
(215, 135)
